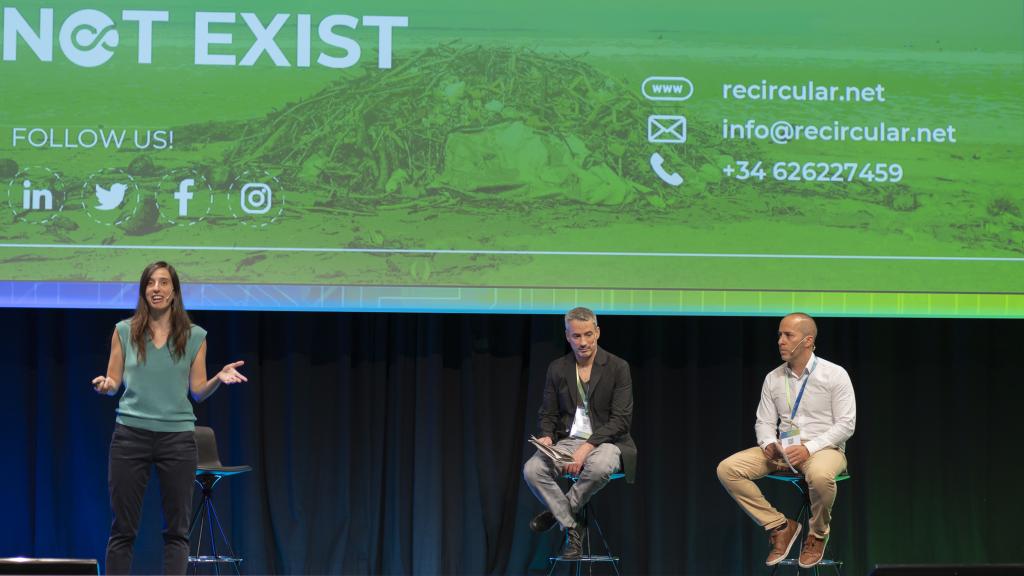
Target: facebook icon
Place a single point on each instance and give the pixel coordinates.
(183, 195)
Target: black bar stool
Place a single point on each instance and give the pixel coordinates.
(209, 471)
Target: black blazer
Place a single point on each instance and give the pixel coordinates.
(611, 404)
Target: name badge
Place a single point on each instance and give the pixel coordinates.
(581, 425)
(790, 438)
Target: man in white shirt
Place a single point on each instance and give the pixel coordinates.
(810, 402)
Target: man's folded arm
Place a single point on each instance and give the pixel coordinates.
(844, 414)
(766, 423)
(547, 414)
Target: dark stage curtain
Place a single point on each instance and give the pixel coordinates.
(394, 443)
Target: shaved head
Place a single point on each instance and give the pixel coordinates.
(797, 339)
(806, 324)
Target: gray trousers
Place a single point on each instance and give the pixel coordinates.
(541, 475)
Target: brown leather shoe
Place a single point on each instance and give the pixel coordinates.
(782, 542)
(813, 551)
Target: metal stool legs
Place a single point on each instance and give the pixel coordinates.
(803, 518)
(588, 556)
(205, 518)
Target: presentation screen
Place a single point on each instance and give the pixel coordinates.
(642, 157)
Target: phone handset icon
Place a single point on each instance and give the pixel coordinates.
(670, 178)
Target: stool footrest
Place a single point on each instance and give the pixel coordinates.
(213, 560)
(796, 562)
(585, 558)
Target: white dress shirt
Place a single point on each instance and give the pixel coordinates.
(827, 412)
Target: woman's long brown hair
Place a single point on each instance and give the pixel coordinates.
(181, 324)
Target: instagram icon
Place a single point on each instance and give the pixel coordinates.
(256, 198)
(260, 201)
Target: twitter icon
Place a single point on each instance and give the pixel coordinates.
(110, 198)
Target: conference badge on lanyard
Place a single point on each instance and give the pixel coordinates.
(581, 422)
(791, 437)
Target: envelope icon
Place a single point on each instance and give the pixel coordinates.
(666, 129)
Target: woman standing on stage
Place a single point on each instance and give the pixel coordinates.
(161, 358)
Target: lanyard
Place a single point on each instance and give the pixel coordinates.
(800, 395)
(579, 387)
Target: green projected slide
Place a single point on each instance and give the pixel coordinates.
(663, 157)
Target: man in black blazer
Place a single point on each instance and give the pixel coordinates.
(587, 409)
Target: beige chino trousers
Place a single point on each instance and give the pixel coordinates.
(738, 472)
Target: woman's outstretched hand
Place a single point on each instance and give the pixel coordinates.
(230, 375)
